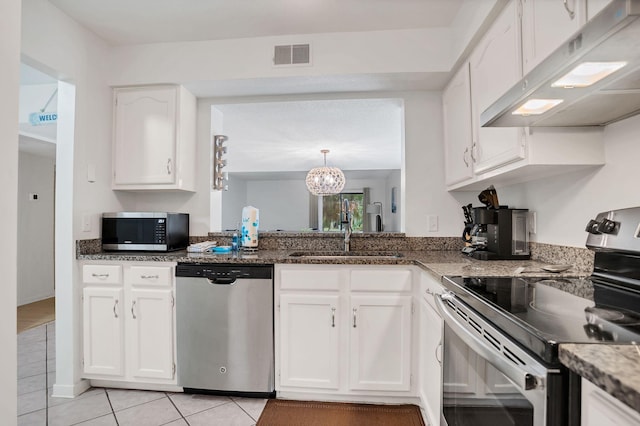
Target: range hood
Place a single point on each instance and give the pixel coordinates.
(611, 38)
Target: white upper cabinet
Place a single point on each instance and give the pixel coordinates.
(495, 68)
(546, 24)
(522, 35)
(456, 108)
(154, 138)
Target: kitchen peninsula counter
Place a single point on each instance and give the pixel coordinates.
(613, 368)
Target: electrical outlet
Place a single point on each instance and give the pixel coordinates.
(432, 223)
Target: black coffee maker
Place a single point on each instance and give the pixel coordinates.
(495, 232)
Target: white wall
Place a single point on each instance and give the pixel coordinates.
(54, 43)
(423, 187)
(9, 84)
(564, 204)
(332, 54)
(233, 201)
(283, 204)
(35, 228)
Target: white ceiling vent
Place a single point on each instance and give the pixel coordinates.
(292, 54)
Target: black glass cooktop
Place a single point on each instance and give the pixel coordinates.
(541, 312)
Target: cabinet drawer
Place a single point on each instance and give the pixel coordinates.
(381, 280)
(150, 275)
(102, 274)
(311, 279)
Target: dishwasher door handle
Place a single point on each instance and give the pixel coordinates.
(222, 281)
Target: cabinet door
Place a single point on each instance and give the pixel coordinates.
(145, 136)
(103, 330)
(431, 325)
(150, 331)
(601, 409)
(546, 24)
(495, 68)
(456, 108)
(380, 343)
(309, 341)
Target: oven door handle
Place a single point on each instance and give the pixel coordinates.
(521, 378)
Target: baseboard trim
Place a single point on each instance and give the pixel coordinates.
(101, 383)
(70, 391)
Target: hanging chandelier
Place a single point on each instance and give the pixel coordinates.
(325, 180)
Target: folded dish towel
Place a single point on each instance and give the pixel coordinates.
(201, 247)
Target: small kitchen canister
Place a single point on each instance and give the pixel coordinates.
(250, 221)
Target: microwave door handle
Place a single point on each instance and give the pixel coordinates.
(521, 378)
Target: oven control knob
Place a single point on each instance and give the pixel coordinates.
(607, 226)
(592, 227)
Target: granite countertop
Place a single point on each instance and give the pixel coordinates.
(613, 368)
(439, 262)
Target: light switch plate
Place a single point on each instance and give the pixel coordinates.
(432, 223)
(86, 223)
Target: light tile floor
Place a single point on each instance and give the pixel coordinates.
(98, 406)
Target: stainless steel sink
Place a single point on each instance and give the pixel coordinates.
(346, 254)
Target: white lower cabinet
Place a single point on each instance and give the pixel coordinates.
(150, 334)
(601, 409)
(128, 322)
(103, 330)
(431, 327)
(309, 341)
(380, 343)
(344, 330)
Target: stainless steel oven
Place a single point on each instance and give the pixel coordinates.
(501, 334)
(490, 380)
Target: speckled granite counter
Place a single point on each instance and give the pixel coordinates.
(439, 262)
(613, 368)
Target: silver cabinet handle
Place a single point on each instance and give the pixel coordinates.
(355, 311)
(169, 166)
(100, 276)
(439, 352)
(473, 148)
(572, 13)
(333, 317)
(149, 277)
(115, 309)
(133, 314)
(464, 156)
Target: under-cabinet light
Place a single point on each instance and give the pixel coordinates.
(587, 73)
(536, 106)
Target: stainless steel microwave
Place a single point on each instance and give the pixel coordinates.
(145, 231)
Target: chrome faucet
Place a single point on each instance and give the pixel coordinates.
(346, 220)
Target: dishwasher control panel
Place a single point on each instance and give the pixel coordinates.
(224, 271)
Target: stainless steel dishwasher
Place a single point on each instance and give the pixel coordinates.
(224, 319)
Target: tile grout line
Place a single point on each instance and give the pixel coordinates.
(177, 409)
(245, 411)
(111, 405)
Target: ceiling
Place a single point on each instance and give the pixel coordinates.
(362, 134)
(122, 22)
